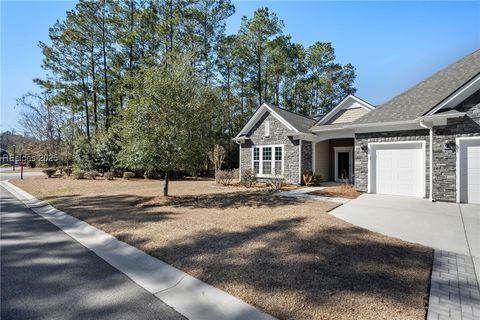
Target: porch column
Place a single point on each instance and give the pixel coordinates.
(300, 161)
(313, 157)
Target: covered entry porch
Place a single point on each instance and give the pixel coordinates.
(333, 157)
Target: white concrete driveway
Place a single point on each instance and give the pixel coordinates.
(445, 226)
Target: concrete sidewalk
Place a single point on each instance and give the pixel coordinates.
(189, 296)
(303, 193)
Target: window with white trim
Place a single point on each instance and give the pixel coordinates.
(278, 160)
(268, 160)
(267, 129)
(256, 160)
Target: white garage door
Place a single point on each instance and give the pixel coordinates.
(398, 169)
(470, 170)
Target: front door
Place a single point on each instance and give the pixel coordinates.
(343, 164)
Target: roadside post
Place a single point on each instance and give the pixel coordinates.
(14, 157)
(22, 164)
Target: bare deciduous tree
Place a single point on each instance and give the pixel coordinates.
(217, 156)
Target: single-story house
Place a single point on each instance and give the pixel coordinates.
(425, 142)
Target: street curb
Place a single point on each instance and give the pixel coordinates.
(189, 296)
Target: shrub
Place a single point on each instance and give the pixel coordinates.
(127, 175)
(276, 183)
(68, 171)
(317, 180)
(226, 177)
(236, 173)
(109, 175)
(31, 163)
(49, 172)
(249, 177)
(91, 174)
(78, 174)
(309, 179)
(149, 174)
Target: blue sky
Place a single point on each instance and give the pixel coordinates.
(393, 45)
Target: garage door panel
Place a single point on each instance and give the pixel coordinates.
(469, 170)
(398, 169)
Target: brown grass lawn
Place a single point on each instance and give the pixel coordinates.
(286, 256)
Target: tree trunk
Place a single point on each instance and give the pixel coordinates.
(85, 103)
(170, 5)
(242, 94)
(130, 51)
(259, 81)
(165, 183)
(105, 78)
(94, 86)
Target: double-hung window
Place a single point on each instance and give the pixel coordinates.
(268, 160)
(256, 160)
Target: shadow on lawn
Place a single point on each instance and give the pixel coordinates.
(262, 198)
(320, 267)
(104, 208)
(129, 204)
(280, 259)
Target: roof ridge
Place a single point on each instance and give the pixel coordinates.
(292, 112)
(429, 77)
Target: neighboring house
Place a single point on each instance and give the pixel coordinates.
(424, 142)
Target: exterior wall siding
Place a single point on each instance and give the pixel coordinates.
(322, 163)
(347, 115)
(278, 136)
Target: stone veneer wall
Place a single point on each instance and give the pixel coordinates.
(278, 135)
(444, 161)
(361, 157)
(306, 157)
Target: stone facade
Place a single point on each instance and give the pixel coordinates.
(444, 161)
(306, 157)
(278, 136)
(361, 157)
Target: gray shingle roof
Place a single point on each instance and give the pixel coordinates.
(299, 122)
(424, 96)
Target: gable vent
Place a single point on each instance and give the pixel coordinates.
(267, 128)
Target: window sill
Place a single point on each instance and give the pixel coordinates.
(270, 176)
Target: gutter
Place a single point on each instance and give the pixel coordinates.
(302, 136)
(430, 129)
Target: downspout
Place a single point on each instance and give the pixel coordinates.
(239, 160)
(430, 129)
(300, 161)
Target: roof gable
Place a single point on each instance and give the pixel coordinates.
(294, 122)
(350, 102)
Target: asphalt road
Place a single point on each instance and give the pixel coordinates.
(45, 274)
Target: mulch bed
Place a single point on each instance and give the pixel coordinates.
(347, 192)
